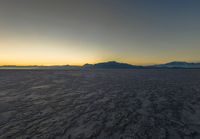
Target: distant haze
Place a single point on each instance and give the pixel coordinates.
(59, 32)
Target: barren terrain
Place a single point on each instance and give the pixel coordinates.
(102, 104)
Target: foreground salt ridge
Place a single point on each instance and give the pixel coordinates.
(100, 104)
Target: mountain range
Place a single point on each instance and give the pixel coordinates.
(177, 64)
(112, 65)
(117, 65)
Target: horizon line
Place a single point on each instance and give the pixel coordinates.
(47, 65)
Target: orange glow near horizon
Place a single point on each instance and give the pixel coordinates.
(26, 52)
(80, 32)
(36, 49)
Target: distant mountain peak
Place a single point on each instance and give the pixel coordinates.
(110, 65)
(179, 64)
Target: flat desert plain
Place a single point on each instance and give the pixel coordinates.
(102, 104)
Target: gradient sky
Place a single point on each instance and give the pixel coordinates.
(59, 32)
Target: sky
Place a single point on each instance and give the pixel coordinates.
(60, 32)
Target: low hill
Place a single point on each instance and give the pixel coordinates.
(177, 64)
(111, 65)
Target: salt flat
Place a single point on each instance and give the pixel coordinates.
(102, 104)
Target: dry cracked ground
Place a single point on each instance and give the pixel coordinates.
(102, 104)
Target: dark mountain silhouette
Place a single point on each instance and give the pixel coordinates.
(178, 64)
(110, 65)
(117, 65)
